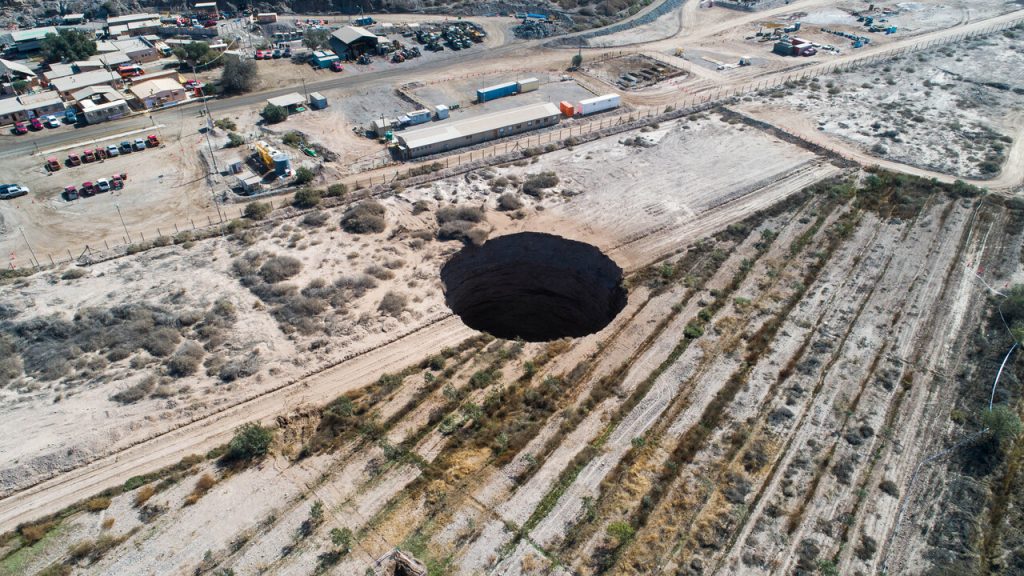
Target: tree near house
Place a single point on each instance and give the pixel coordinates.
(68, 44)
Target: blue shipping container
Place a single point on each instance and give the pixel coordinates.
(364, 21)
(494, 92)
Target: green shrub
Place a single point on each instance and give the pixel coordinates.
(306, 198)
(303, 175)
(257, 210)
(234, 140)
(337, 190)
(225, 124)
(251, 441)
(274, 114)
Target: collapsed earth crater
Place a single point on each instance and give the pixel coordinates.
(534, 286)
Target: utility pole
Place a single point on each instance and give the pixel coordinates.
(209, 120)
(35, 261)
(122, 222)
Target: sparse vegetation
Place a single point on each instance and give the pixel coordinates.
(257, 210)
(306, 198)
(366, 217)
(536, 184)
(251, 442)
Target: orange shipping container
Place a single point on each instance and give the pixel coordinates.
(566, 108)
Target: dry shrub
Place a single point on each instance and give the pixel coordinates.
(144, 494)
(239, 368)
(203, 485)
(136, 392)
(462, 231)
(508, 202)
(393, 303)
(279, 268)
(98, 504)
(315, 219)
(35, 532)
(459, 213)
(365, 217)
(186, 360)
(379, 272)
(74, 274)
(535, 184)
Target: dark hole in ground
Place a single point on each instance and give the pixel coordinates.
(534, 286)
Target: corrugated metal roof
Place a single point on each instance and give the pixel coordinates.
(477, 125)
(84, 79)
(32, 33)
(349, 34)
(293, 99)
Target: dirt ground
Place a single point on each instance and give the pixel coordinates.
(803, 333)
(937, 110)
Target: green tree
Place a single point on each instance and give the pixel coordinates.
(306, 198)
(257, 210)
(342, 539)
(316, 38)
(274, 114)
(577, 59)
(195, 54)
(239, 76)
(68, 44)
(251, 441)
(234, 140)
(304, 175)
(1003, 422)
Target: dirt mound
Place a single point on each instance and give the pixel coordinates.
(537, 287)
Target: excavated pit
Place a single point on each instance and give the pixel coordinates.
(533, 286)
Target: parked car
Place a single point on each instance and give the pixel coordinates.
(52, 122)
(20, 128)
(126, 147)
(52, 164)
(275, 54)
(116, 182)
(70, 193)
(139, 144)
(36, 124)
(258, 56)
(103, 185)
(87, 189)
(74, 160)
(152, 141)
(8, 191)
(70, 117)
(287, 53)
(336, 66)
(88, 156)
(112, 151)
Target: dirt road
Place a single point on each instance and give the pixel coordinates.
(202, 435)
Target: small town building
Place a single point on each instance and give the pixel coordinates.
(290, 101)
(352, 41)
(30, 40)
(26, 106)
(68, 84)
(206, 11)
(150, 93)
(469, 131)
(103, 107)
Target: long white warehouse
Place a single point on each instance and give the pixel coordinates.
(469, 131)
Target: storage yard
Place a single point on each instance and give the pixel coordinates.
(731, 297)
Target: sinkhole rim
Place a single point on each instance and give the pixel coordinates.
(534, 286)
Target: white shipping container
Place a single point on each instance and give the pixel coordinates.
(597, 104)
(442, 111)
(528, 85)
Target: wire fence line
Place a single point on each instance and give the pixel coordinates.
(390, 171)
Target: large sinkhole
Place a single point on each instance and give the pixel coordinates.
(534, 286)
